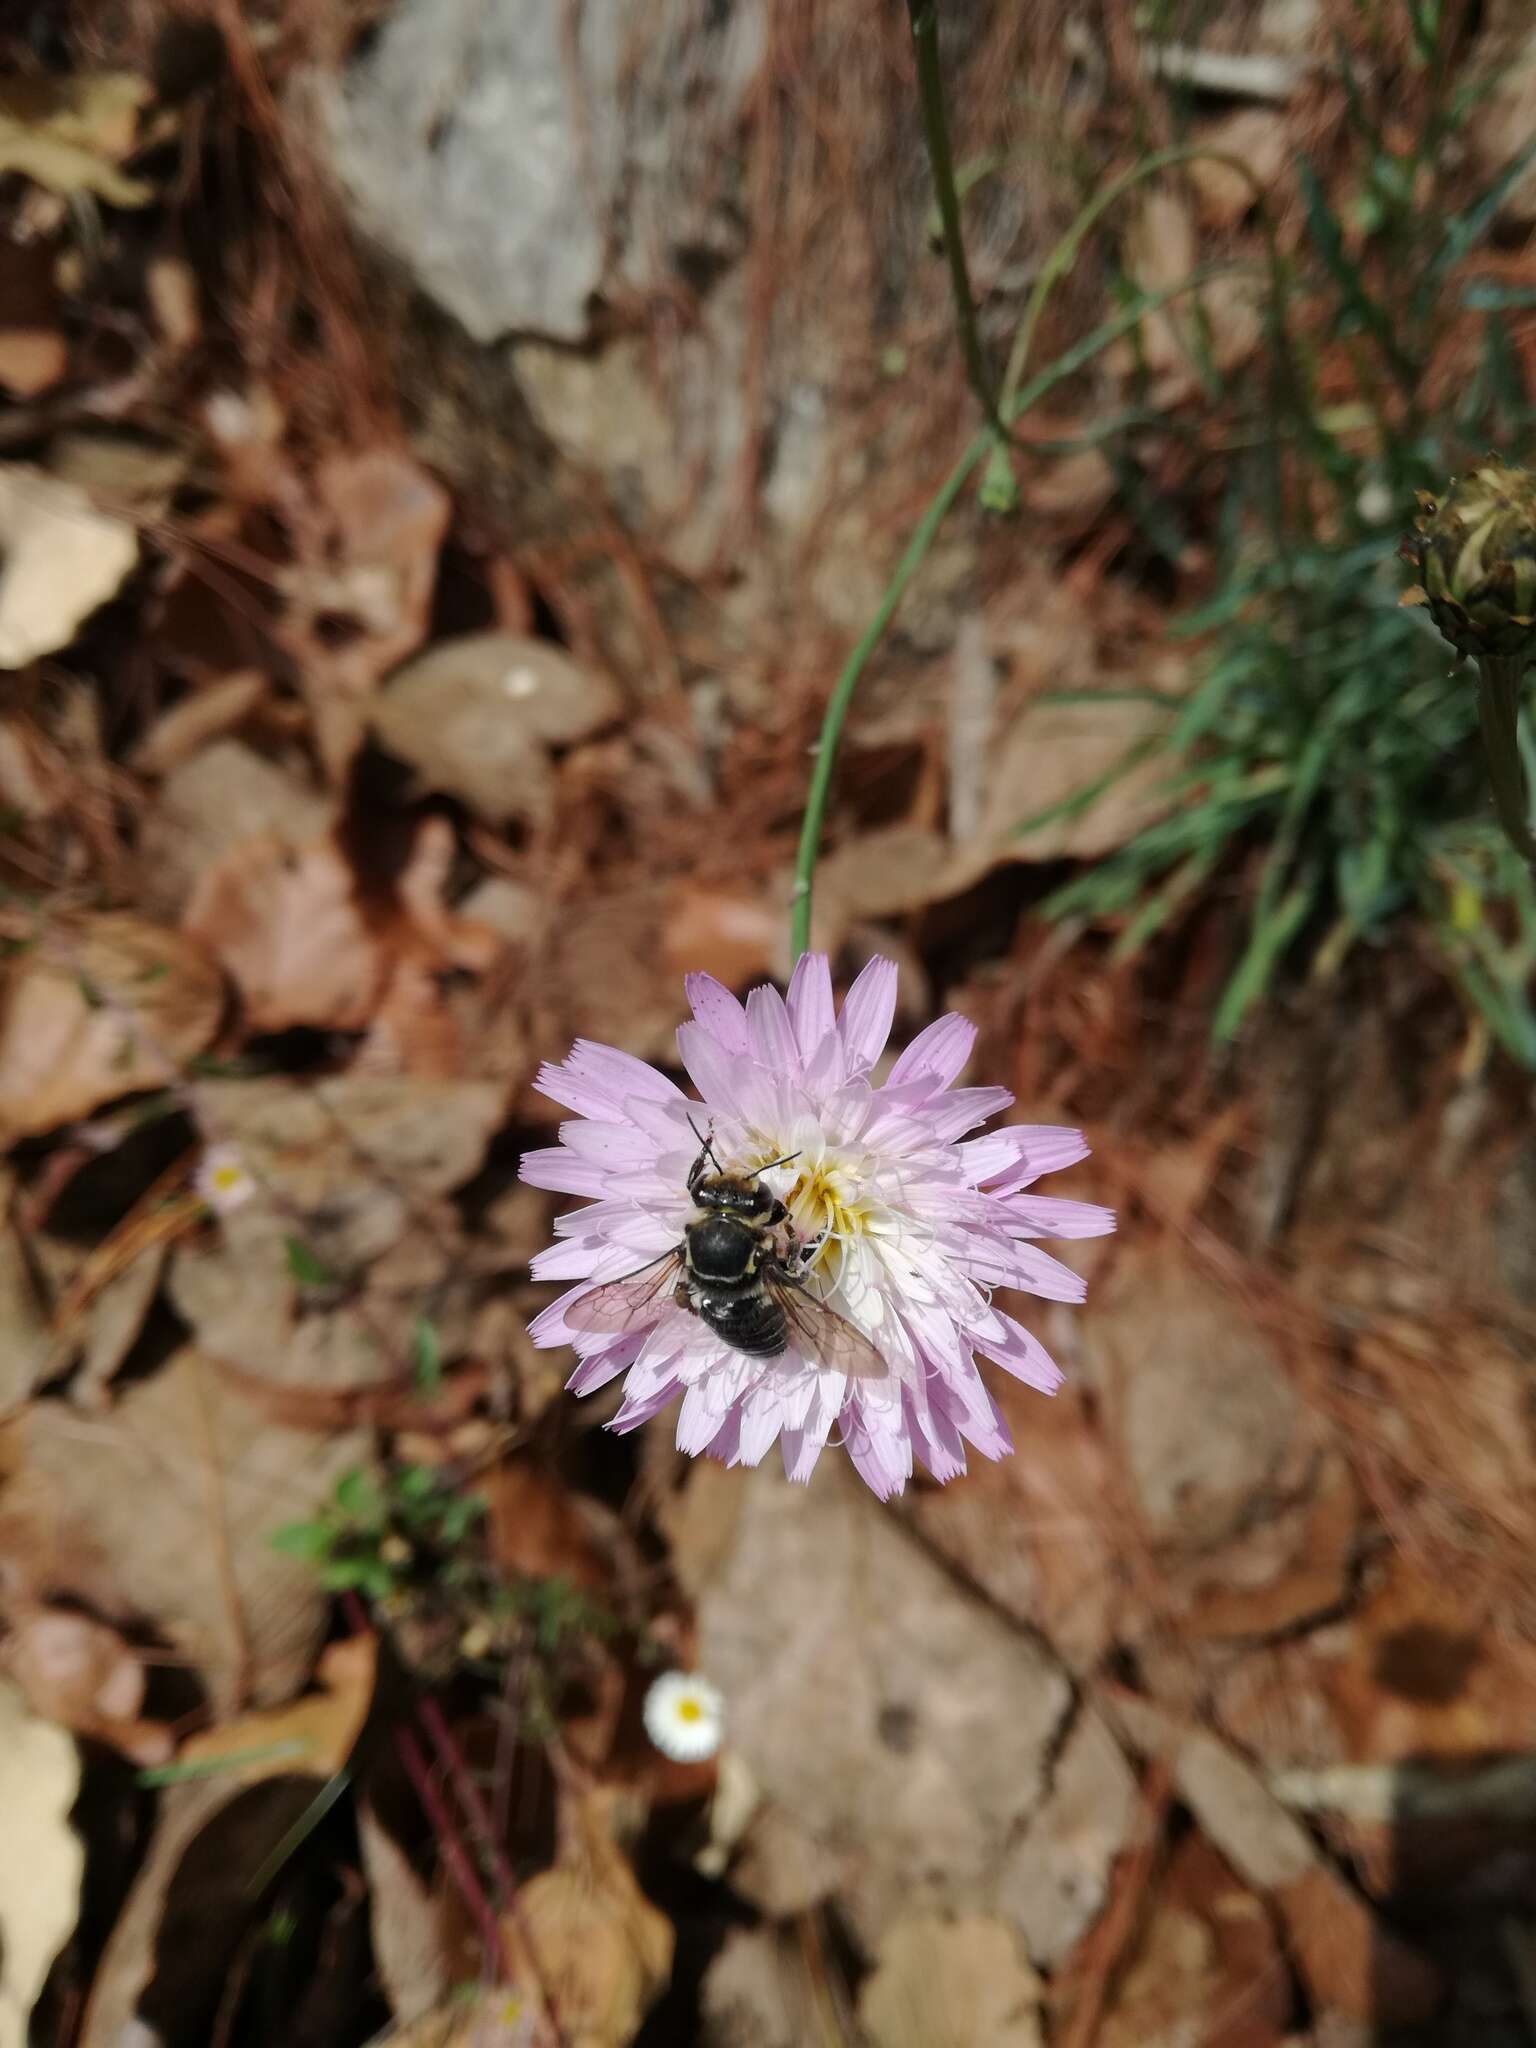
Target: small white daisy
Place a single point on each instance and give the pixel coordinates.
(223, 1179)
(684, 1716)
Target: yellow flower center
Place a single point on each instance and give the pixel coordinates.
(689, 1710)
(227, 1177)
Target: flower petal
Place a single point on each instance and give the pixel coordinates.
(800, 1448)
(1054, 1216)
(597, 1080)
(717, 1010)
(809, 1002)
(557, 1168)
(633, 1413)
(771, 1033)
(1022, 1354)
(868, 1010)
(938, 1054)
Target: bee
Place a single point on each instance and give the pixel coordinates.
(741, 1269)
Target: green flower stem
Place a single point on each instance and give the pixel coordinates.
(1498, 704)
(1004, 414)
(930, 84)
(825, 751)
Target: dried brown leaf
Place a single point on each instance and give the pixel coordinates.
(1206, 1968)
(951, 1984)
(224, 794)
(475, 718)
(98, 1008)
(916, 1765)
(412, 1936)
(68, 134)
(202, 716)
(286, 925)
(586, 1941)
(83, 1675)
(29, 1344)
(367, 538)
(316, 1732)
(112, 1324)
(354, 1160)
(161, 1514)
(1056, 1881)
(44, 1859)
(32, 360)
(62, 558)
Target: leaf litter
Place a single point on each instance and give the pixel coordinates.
(368, 738)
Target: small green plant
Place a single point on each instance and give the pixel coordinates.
(1330, 733)
(415, 1547)
(377, 1536)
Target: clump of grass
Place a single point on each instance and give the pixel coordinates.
(1329, 733)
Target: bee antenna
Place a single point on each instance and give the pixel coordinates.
(706, 1144)
(787, 1160)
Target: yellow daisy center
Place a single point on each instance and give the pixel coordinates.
(227, 1177)
(689, 1710)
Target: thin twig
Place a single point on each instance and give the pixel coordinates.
(455, 1862)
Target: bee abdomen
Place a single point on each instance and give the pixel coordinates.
(752, 1323)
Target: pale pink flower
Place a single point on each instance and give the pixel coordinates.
(921, 1223)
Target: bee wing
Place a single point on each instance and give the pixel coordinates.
(827, 1339)
(628, 1303)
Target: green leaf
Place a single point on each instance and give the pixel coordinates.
(313, 1541)
(308, 1270)
(1266, 942)
(358, 1495)
(426, 1356)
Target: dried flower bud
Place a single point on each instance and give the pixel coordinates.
(1475, 550)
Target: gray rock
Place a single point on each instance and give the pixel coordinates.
(511, 172)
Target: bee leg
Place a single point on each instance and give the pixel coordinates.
(809, 1248)
(681, 1296)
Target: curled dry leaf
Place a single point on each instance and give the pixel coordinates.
(586, 1940)
(224, 794)
(367, 534)
(286, 925)
(951, 1984)
(357, 1158)
(202, 716)
(83, 1675)
(29, 1344)
(62, 558)
(315, 1733)
(1206, 1967)
(112, 1323)
(32, 360)
(539, 1529)
(69, 134)
(412, 1937)
(475, 718)
(176, 1946)
(161, 1513)
(100, 1007)
(44, 1859)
